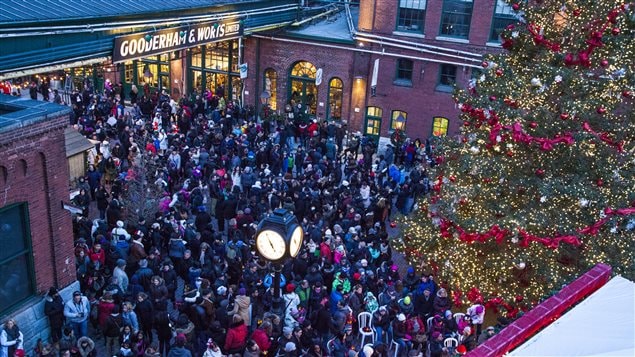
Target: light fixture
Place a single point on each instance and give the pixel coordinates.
(400, 122)
(264, 98)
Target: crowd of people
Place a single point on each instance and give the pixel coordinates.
(187, 281)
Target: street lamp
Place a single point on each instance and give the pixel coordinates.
(278, 237)
(264, 98)
(400, 122)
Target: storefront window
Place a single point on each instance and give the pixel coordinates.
(147, 73)
(211, 66)
(197, 57)
(303, 88)
(128, 72)
(16, 259)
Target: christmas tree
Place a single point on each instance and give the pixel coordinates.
(540, 183)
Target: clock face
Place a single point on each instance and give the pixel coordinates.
(270, 245)
(296, 241)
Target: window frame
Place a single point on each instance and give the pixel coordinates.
(273, 88)
(377, 115)
(401, 9)
(440, 123)
(393, 118)
(27, 253)
(510, 18)
(330, 95)
(447, 14)
(443, 87)
(399, 69)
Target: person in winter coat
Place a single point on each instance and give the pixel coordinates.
(145, 311)
(129, 316)
(441, 302)
(290, 299)
(243, 303)
(261, 336)
(86, 347)
(11, 339)
(477, 314)
(169, 277)
(77, 311)
(68, 340)
(236, 335)
(163, 327)
(112, 329)
(179, 349)
(54, 310)
(105, 307)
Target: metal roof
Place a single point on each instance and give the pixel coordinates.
(75, 142)
(12, 11)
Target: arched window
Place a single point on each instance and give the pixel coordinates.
(302, 88)
(336, 89)
(270, 85)
(440, 126)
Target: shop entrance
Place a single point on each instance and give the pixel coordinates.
(302, 89)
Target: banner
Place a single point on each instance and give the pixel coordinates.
(244, 68)
(373, 80)
(145, 44)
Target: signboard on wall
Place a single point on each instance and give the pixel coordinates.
(145, 44)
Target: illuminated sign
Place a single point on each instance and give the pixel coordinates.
(145, 44)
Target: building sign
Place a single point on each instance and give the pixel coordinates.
(145, 44)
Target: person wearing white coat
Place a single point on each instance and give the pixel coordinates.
(11, 339)
(477, 314)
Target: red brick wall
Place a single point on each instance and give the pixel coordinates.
(43, 187)
(281, 56)
(421, 101)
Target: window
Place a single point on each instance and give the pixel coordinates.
(440, 126)
(271, 83)
(16, 260)
(411, 15)
(398, 120)
(447, 78)
(128, 72)
(404, 72)
(373, 121)
(456, 18)
(302, 89)
(336, 89)
(503, 16)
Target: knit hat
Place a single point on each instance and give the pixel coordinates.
(448, 313)
(436, 334)
(52, 291)
(287, 330)
(461, 350)
(479, 309)
(120, 224)
(19, 353)
(121, 263)
(289, 347)
(290, 288)
(401, 317)
(221, 290)
(242, 291)
(181, 339)
(368, 351)
(406, 300)
(364, 262)
(328, 233)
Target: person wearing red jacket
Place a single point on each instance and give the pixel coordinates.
(236, 336)
(97, 255)
(261, 336)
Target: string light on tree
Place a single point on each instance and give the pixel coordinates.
(544, 168)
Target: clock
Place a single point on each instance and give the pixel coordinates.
(270, 245)
(297, 237)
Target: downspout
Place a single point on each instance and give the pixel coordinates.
(256, 89)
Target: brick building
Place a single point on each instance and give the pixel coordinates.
(420, 48)
(36, 236)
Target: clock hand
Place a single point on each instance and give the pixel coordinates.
(272, 247)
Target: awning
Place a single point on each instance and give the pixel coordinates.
(601, 325)
(75, 142)
(51, 67)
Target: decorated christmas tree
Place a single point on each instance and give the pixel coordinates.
(540, 183)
